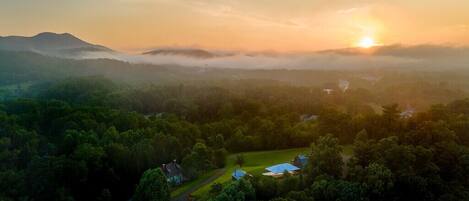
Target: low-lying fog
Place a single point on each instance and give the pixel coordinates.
(395, 56)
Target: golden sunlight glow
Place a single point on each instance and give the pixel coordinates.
(366, 42)
(305, 25)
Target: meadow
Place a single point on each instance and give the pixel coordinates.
(254, 164)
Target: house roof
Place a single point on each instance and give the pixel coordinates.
(238, 174)
(308, 117)
(172, 169)
(301, 159)
(280, 168)
(407, 113)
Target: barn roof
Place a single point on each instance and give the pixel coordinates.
(280, 168)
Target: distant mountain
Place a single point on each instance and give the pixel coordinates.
(189, 52)
(50, 44)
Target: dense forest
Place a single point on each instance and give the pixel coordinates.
(94, 138)
(416, 87)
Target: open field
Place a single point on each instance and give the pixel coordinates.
(255, 163)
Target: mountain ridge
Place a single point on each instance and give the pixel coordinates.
(49, 43)
(187, 52)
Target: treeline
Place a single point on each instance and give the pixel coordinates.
(418, 88)
(422, 158)
(51, 150)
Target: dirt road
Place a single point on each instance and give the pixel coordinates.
(185, 196)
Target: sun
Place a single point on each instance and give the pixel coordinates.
(366, 42)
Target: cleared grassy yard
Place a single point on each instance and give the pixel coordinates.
(254, 163)
(186, 186)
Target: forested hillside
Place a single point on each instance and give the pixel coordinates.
(416, 88)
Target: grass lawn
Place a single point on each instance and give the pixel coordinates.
(186, 186)
(254, 163)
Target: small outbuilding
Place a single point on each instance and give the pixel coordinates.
(308, 117)
(300, 161)
(328, 91)
(408, 113)
(238, 174)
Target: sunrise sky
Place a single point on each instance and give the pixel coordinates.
(280, 25)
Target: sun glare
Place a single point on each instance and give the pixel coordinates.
(366, 42)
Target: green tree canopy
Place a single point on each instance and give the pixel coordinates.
(326, 158)
(152, 187)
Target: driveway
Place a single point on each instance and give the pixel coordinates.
(185, 196)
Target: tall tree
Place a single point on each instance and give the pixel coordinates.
(240, 160)
(152, 187)
(326, 159)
